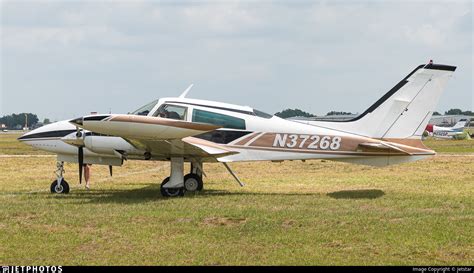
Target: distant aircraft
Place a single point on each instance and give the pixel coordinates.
(447, 132)
(183, 130)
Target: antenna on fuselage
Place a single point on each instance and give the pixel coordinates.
(186, 91)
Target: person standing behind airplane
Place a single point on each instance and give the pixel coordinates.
(87, 173)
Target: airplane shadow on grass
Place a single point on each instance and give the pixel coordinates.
(152, 193)
(357, 194)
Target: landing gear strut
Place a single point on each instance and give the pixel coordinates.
(177, 184)
(173, 185)
(59, 185)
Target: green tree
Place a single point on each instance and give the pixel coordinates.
(288, 113)
(14, 120)
(468, 113)
(46, 121)
(454, 111)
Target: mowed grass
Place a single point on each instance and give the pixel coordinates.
(291, 213)
(9, 145)
(450, 146)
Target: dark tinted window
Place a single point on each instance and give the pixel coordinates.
(261, 114)
(218, 119)
(222, 136)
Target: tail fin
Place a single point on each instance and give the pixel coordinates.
(460, 124)
(404, 111)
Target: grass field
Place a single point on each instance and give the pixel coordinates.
(9, 145)
(312, 213)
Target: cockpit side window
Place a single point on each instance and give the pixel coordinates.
(171, 111)
(218, 119)
(144, 110)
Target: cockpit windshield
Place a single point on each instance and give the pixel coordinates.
(144, 110)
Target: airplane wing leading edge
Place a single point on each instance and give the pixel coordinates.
(163, 138)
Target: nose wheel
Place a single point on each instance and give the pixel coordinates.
(61, 187)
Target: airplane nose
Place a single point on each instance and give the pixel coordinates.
(53, 130)
(77, 121)
(27, 135)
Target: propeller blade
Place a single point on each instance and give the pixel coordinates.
(80, 156)
(110, 170)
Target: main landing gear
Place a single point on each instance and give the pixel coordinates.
(178, 183)
(59, 185)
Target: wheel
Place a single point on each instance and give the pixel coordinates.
(170, 192)
(61, 188)
(192, 182)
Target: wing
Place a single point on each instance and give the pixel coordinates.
(162, 137)
(189, 147)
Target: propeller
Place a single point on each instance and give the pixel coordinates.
(80, 154)
(110, 170)
(80, 159)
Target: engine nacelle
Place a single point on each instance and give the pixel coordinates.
(109, 145)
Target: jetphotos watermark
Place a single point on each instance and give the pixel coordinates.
(31, 269)
(443, 269)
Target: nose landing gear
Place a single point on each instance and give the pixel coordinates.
(59, 185)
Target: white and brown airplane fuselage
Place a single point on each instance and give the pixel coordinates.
(189, 130)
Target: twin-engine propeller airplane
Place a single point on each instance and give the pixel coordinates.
(188, 130)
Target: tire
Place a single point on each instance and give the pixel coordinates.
(193, 182)
(63, 187)
(170, 192)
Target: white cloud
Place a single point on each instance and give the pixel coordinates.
(331, 53)
(427, 35)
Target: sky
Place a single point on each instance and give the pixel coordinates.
(64, 59)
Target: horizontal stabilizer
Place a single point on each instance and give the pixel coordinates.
(381, 147)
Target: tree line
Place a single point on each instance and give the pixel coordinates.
(19, 120)
(289, 113)
(455, 111)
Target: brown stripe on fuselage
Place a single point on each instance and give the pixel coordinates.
(348, 144)
(306, 151)
(165, 122)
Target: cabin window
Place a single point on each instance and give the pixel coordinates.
(218, 119)
(171, 111)
(144, 110)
